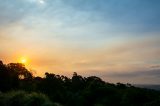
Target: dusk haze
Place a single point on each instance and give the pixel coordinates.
(79, 52)
(116, 40)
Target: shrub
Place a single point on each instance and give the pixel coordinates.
(21, 98)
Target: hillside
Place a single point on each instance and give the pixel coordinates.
(20, 88)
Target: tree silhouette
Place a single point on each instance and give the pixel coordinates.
(19, 71)
(77, 91)
(5, 79)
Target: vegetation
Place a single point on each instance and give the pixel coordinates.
(21, 98)
(20, 88)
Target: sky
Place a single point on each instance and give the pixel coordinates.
(117, 40)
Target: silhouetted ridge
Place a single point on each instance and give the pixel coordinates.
(18, 85)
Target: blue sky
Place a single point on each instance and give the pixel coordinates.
(107, 38)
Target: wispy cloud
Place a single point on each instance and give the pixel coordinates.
(94, 37)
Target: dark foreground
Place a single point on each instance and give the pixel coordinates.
(20, 88)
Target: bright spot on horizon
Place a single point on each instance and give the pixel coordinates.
(23, 60)
(92, 37)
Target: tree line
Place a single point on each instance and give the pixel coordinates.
(18, 85)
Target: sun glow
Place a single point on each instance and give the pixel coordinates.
(23, 60)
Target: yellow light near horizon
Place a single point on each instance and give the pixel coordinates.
(23, 60)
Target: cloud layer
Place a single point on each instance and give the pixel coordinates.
(108, 38)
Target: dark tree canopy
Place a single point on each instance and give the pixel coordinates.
(75, 91)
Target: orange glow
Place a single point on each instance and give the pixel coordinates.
(23, 60)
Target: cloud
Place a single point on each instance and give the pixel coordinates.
(10, 12)
(69, 14)
(155, 67)
(144, 73)
(136, 16)
(114, 38)
(15, 11)
(134, 77)
(142, 77)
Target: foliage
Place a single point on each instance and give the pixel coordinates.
(75, 91)
(21, 98)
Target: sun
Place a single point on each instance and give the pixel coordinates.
(23, 60)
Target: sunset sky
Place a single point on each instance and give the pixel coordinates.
(117, 40)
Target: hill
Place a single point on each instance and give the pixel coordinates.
(20, 88)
